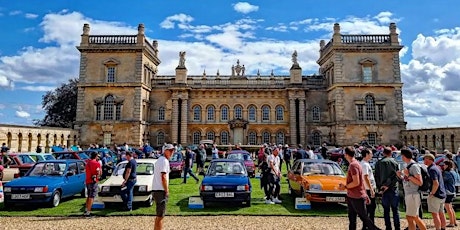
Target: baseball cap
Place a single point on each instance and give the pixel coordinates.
(429, 156)
(169, 146)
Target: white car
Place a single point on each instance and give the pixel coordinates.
(109, 191)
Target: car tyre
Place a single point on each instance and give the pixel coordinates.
(55, 199)
(6, 205)
(248, 202)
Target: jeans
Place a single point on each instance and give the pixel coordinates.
(371, 207)
(189, 171)
(390, 200)
(127, 194)
(357, 207)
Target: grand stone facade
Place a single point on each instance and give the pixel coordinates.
(356, 95)
(437, 139)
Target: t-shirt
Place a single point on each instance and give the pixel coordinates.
(359, 191)
(409, 186)
(435, 174)
(92, 168)
(367, 170)
(188, 159)
(161, 166)
(276, 163)
(132, 164)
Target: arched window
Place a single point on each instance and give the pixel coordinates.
(161, 114)
(224, 138)
(196, 137)
(280, 138)
(279, 113)
(370, 108)
(238, 112)
(265, 113)
(109, 102)
(197, 113)
(315, 113)
(210, 135)
(266, 137)
(252, 113)
(224, 113)
(252, 138)
(211, 114)
(316, 139)
(160, 138)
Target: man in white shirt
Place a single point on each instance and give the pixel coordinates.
(161, 185)
(369, 182)
(310, 153)
(275, 180)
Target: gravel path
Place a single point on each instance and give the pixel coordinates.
(181, 222)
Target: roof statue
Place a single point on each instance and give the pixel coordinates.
(294, 58)
(238, 69)
(181, 59)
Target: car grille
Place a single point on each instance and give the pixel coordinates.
(19, 190)
(117, 190)
(222, 188)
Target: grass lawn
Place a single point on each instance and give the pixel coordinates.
(178, 205)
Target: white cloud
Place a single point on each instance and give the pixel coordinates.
(2, 106)
(5, 82)
(38, 88)
(245, 7)
(16, 12)
(181, 19)
(22, 114)
(31, 16)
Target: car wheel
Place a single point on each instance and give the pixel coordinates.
(6, 204)
(291, 191)
(150, 201)
(248, 202)
(55, 199)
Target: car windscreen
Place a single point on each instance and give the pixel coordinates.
(83, 156)
(143, 168)
(239, 156)
(49, 157)
(48, 169)
(224, 168)
(322, 168)
(26, 159)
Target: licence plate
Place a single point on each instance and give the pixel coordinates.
(224, 194)
(20, 196)
(335, 199)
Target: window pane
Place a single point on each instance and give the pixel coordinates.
(224, 113)
(380, 108)
(118, 112)
(108, 108)
(110, 74)
(252, 138)
(107, 139)
(98, 112)
(360, 112)
(265, 113)
(224, 138)
(197, 113)
(238, 112)
(252, 113)
(160, 138)
(370, 108)
(367, 74)
(279, 113)
(161, 114)
(280, 138)
(210, 135)
(211, 113)
(315, 113)
(316, 139)
(196, 138)
(372, 138)
(266, 137)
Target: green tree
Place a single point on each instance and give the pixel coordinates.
(60, 106)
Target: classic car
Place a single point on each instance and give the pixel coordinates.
(109, 191)
(47, 182)
(244, 156)
(176, 164)
(78, 155)
(8, 174)
(20, 161)
(226, 180)
(335, 154)
(41, 156)
(317, 180)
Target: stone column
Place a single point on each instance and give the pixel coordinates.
(184, 123)
(174, 120)
(292, 122)
(302, 121)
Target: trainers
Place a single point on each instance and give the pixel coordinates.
(277, 201)
(269, 202)
(87, 214)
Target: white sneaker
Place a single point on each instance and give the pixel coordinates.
(277, 201)
(269, 202)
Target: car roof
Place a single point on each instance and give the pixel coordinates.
(237, 151)
(143, 160)
(225, 160)
(316, 160)
(62, 161)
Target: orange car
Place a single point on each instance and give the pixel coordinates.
(317, 180)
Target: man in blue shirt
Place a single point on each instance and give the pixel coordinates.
(130, 177)
(437, 192)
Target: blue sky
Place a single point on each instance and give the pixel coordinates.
(38, 53)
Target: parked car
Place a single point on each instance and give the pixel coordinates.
(8, 174)
(21, 162)
(78, 155)
(335, 154)
(317, 181)
(47, 182)
(244, 156)
(40, 156)
(226, 180)
(109, 191)
(176, 164)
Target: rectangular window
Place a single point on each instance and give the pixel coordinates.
(380, 111)
(224, 115)
(372, 138)
(360, 109)
(252, 138)
(118, 112)
(111, 74)
(367, 74)
(252, 114)
(107, 139)
(98, 112)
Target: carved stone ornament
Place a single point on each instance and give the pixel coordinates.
(238, 69)
(238, 123)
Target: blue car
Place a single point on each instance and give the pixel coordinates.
(47, 182)
(226, 180)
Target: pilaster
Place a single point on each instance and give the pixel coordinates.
(303, 128)
(292, 121)
(184, 121)
(174, 120)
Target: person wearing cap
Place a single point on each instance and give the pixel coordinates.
(130, 178)
(161, 184)
(437, 194)
(93, 172)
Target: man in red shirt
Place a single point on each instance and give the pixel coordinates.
(356, 193)
(93, 172)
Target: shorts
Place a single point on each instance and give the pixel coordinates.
(91, 190)
(413, 203)
(160, 200)
(435, 205)
(449, 199)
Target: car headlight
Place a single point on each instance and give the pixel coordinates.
(7, 189)
(206, 188)
(242, 187)
(143, 188)
(105, 188)
(41, 189)
(315, 187)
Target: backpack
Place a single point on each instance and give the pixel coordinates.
(426, 180)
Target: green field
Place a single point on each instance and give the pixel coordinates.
(178, 205)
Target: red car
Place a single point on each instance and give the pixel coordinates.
(176, 164)
(79, 155)
(246, 157)
(335, 154)
(21, 161)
